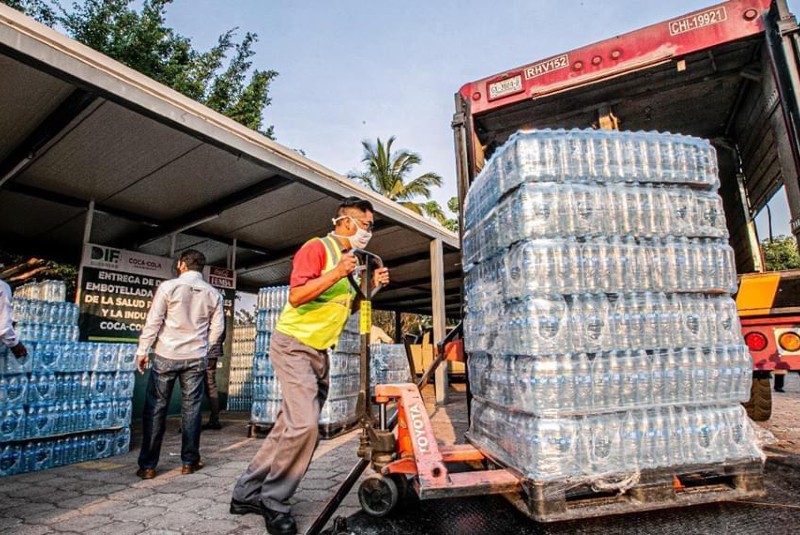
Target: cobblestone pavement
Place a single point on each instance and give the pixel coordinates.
(106, 496)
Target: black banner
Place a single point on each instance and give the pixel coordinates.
(114, 305)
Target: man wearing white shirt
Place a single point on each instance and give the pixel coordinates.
(7, 334)
(184, 321)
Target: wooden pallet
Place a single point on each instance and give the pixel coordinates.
(326, 431)
(551, 501)
(329, 431)
(259, 430)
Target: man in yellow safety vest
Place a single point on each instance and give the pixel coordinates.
(320, 302)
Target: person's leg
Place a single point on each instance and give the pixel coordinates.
(191, 378)
(300, 370)
(212, 392)
(248, 487)
(779, 381)
(154, 416)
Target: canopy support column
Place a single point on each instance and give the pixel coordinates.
(439, 314)
(87, 238)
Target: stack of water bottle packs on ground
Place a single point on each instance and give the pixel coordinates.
(339, 410)
(67, 401)
(240, 381)
(603, 339)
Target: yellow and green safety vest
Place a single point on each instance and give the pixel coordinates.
(319, 323)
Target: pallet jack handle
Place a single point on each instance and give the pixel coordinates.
(367, 262)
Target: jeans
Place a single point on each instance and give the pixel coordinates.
(190, 373)
(210, 380)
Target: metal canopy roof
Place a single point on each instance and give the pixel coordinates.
(77, 126)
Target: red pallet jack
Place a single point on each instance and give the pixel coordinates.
(410, 460)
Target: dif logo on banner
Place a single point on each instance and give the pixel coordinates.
(105, 254)
(98, 256)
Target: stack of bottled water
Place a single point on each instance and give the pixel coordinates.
(339, 410)
(240, 380)
(388, 364)
(66, 401)
(601, 332)
(55, 291)
(47, 321)
(265, 388)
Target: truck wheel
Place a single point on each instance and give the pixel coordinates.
(759, 406)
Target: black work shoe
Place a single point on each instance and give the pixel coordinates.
(781, 390)
(215, 426)
(243, 508)
(279, 523)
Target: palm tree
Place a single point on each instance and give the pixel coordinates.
(387, 173)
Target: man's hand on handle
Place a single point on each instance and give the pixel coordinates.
(19, 350)
(380, 277)
(347, 265)
(141, 363)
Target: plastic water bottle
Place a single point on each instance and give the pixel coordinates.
(525, 384)
(629, 375)
(670, 271)
(614, 380)
(678, 427)
(566, 383)
(703, 435)
(631, 440)
(13, 390)
(685, 375)
(122, 441)
(700, 385)
(601, 382)
(632, 275)
(643, 370)
(672, 377)
(583, 383)
(546, 371)
(604, 443)
(11, 459)
(724, 387)
(647, 438)
(657, 368)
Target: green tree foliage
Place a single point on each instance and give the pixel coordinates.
(37, 9)
(222, 78)
(451, 223)
(387, 172)
(413, 324)
(781, 253)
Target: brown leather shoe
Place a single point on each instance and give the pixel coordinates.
(192, 468)
(146, 473)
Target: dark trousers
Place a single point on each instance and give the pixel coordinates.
(210, 380)
(780, 380)
(162, 378)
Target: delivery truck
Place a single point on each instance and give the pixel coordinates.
(729, 73)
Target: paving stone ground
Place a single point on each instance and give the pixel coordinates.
(106, 497)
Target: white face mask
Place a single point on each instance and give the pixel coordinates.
(360, 239)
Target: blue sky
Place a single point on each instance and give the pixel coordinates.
(354, 70)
